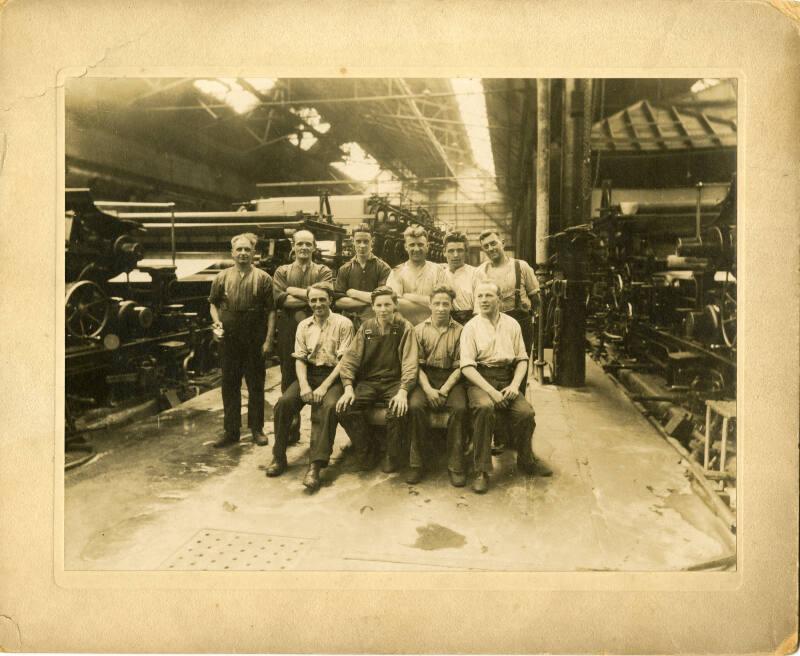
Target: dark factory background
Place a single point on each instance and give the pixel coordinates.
(620, 193)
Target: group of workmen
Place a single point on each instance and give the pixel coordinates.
(423, 338)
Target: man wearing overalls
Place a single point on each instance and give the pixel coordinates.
(380, 366)
(242, 307)
(290, 284)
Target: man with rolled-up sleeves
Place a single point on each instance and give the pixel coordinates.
(495, 362)
(439, 387)
(320, 342)
(242, 309)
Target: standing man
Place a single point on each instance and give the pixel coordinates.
(291, 282)
(439, 387)
(519, 288)
(320, 342)
(414, 280)
(242, 306)
(381, 365)
(462, 277)
(357, 278)
(494, 361)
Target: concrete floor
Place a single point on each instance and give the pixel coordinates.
(620, 499)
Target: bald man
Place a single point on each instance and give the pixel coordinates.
(290, 283)
(242, 307)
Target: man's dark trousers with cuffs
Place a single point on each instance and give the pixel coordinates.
(323, 417)
(419, 418)
(485, 415)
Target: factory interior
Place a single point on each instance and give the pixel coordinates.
(619, 193)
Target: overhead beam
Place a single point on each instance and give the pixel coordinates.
(431, 136)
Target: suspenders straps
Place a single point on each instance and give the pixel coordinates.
(517, 277)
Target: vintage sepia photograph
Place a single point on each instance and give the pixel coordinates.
(400, 324)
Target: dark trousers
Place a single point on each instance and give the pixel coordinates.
(367, 393)
(419, 420)
(323, 417)
(287, 327)
(241, 355)
(519, 416)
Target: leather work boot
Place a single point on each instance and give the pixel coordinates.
(259, 438)
(226, 440)
(481, 483)
(311, 480)
(276, 468)
(535, 468)
(415, 475)
(457, 479)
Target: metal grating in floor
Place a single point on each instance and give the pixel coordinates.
(214, 550)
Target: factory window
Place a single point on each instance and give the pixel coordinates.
(472, 104)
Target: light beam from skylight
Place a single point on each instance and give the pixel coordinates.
(357, 164)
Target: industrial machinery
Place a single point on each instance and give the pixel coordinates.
(390, 220)
(137, 327)
(661, 317)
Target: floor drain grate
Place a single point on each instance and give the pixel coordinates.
(211, 550)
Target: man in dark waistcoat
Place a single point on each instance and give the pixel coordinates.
(242, 308)
(380, 366)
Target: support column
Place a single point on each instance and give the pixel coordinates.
(569, 356)
(542, 206)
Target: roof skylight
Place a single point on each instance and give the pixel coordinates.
(358, 164)
(230, 92)
(312, 118)
(472, 105)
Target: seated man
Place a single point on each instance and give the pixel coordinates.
(382, 364)
(495, 362)
(439, 387)
(320, 342)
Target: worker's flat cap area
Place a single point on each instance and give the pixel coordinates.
(158, 497)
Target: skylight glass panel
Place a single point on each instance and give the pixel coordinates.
(472, 105)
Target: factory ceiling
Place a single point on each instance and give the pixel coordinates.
(266, 130)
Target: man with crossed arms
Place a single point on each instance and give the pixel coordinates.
(356, 279)
(495, 362)
(414, 280)
(290, 283)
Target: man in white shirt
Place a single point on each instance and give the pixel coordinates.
(460, 276)
(494, 361)
(414, 280)
(320, 342)
(519, 288)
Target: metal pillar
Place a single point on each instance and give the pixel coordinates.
(542, 206)
(568, 156)
(569, 356)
